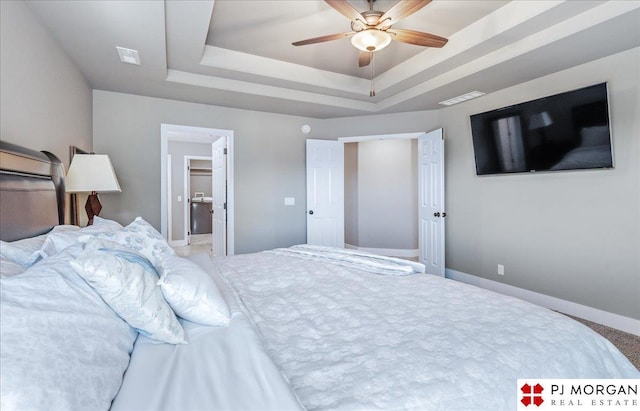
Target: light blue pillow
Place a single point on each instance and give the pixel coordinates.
(192, 293)
(61, 346)
(127, 282)
(9, 268)
(61, 237)
(27, 251)
(23, 252)
(141, 237)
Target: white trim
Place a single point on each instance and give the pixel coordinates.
(172, 132)
(221, 83)
(230, 197)
(178, 243)
(395, 136)
(389, 252)
(596, 315)
(226, 59)
(169, 196)
(186, 185)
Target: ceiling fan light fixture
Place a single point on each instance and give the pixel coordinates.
(371, 40)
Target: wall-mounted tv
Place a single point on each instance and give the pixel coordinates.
(567, 131)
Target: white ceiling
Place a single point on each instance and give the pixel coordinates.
(238, 53)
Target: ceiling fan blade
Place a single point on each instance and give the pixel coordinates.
(364, 58)
(400, 10)
(343, 7)
(322, 39)
(417, 37)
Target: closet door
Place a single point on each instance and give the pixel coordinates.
(325, 193)
(431, 197)
(219, 197)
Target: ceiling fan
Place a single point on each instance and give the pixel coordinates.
(371, 29)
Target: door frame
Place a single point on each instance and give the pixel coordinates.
(187, 193)
(394, 136)
(190, 134)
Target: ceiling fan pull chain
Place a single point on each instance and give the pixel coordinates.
(372, 93)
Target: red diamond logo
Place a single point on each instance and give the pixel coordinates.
(532, 395)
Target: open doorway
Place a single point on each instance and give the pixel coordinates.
(177, 150)
(430, 199)
(198, 194)
(381, 197)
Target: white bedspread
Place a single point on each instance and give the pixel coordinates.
(348, 339)
(222, 368)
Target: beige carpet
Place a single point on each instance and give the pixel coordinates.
(628, 344)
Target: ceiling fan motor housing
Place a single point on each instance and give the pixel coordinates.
(371, 18)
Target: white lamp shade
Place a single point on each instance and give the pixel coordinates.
(91, 172)
(371, 40)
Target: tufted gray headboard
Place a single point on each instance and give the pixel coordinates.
(32, 196)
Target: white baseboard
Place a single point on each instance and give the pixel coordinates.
(612, 320)
(178, 243)
(389, 252)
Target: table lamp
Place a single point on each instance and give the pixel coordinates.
(91, 173)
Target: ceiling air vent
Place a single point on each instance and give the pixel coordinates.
(460, 99)
(128, 55)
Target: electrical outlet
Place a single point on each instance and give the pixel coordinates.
(500, 269)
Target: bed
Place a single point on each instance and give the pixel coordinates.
(287, 329)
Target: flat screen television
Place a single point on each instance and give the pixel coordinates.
(567, 131)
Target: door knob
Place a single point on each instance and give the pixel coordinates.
(444, 214)
(436, 214)
(310, 211)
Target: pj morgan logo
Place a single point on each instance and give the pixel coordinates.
(579, 394)
(532, 395)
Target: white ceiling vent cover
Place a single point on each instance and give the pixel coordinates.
(128, 55)
(460, 99)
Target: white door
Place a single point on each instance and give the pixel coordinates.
(431, 197)
(325, 193)
(219, 198)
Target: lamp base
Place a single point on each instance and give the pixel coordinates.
(92, 206)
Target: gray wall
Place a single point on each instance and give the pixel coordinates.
(387, 192)
(269, 154)
(201, 183)
(45, 103)
(178, 150)
(574, 235)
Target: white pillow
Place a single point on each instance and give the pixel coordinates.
(23, 252)
(192, 293)
(141, 237)
(60, 238)
(9, 268)
(27, 251)
(61, 346)
(127, 283)
(105, 224)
